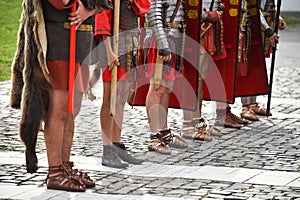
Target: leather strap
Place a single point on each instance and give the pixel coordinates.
(175, 11)
(211, 5)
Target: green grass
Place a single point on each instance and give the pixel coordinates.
(291, 21)
(10, 12)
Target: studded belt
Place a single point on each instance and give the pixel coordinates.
(82, 27)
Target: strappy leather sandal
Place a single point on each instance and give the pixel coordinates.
(188, 129)
(75, 173)
(259, 110)
(58, 179)
(173, 140)
(156, 144)
(248, 114)
(202, 134)
(213, 131)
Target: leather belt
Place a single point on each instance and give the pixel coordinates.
(169, 26)
(82, 27)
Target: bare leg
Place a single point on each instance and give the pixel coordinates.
(165, 101)
(153, 108)
(157, 103)
(111, 127)
(54, 126)
(122, 94)
(69, 128)
(106, 120)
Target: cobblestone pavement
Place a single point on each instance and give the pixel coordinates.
(260, 161)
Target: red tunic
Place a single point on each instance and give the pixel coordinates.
(169, 72)
(59, 70)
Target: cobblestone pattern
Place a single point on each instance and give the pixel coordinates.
(267, 144)
(271, 144)
(114, 183)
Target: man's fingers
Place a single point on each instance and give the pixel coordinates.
(166, 58)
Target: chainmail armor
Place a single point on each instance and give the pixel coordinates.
(159, 19)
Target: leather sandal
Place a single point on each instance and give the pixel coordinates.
(237, 119)
(249, 114)
(188, 132)
(82, 176)
(209, 128)
(201, 133)
(59, 180)
(156, 144)
(173, 140)
(188, 129)
(258, 110)
(227, 122)
(213, 131)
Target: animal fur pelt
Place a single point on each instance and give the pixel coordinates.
(31, 82)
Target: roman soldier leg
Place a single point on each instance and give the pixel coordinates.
(235, 118)
(255, 108)
(122, 94)
(223, 117)
(110, 157)
(188, 125)
(156, 118)
(247, 113)
(157, 103)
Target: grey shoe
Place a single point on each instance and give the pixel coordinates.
(111, 159)
(124, 155)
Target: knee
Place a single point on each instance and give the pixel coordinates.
(160, 92)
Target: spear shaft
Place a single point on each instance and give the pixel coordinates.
(273, 58)
(72, 63)
(113, 97)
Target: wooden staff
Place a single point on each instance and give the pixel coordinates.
(158, 71)
(273, 58)
(72, 62)
(114, 72)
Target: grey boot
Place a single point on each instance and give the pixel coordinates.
(124, 155)
(111, 159)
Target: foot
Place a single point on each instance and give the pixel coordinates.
(111, 159)
(248, 114)
(59, 180)
(79, 175)
(173, 140)
(213, 131)
(258, 110)
(188, 132)
(124, 155)
(237, 119)
(188, 129)
(178, 142)
(156, 144)
(227, 122)
(202, 133)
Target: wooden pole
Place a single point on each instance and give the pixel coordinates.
(114, 72)
(72, 63)
(158, 71)
(273, 58)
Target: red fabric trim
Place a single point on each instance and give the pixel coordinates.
(103, 23)
(106, 74)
